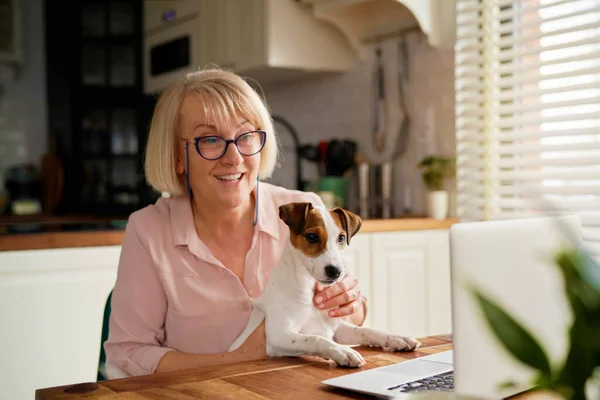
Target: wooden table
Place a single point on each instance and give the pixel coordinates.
(278, 378)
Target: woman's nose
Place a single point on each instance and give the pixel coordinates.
(232, 155)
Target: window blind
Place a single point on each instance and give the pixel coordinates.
(528, 110)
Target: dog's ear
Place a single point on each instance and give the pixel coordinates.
(350, 222)
(294, 215)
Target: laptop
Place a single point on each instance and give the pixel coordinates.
(511, 261)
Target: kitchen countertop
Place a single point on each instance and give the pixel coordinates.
(56, 232)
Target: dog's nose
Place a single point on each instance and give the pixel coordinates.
(332, 271)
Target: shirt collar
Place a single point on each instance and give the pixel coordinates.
(182, 220)
(268, 212)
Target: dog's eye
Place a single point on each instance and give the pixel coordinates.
(341, 239)
(312, 238)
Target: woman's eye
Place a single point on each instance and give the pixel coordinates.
(311, 238)
(341, 239)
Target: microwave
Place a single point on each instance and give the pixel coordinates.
(172, 41)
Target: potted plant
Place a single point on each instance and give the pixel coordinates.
(578, 378)
(436, 169)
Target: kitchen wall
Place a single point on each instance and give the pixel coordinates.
(23, 111)
(341, 106)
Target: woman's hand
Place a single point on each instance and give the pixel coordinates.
(255, 347)
(345, 295)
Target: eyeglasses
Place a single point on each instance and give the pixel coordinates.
(215, 147)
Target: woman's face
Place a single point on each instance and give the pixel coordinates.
(227, 181)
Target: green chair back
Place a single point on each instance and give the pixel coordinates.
(106, 318)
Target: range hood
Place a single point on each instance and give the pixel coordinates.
(364, 21)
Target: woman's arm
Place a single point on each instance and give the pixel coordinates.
(358, 318)
(254, 348)
(139, 304)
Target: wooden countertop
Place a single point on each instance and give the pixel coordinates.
(405, 224)
(87, 238)
(277, 378)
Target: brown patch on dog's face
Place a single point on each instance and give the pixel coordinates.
(349, 222)
(307, 228)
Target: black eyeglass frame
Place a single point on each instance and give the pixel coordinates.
(263, 137)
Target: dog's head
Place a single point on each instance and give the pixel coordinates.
(320, 235)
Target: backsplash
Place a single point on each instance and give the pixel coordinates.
(341, 106)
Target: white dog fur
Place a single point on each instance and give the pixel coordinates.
(294, 326)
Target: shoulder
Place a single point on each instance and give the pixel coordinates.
(281, 195)
(152, 219)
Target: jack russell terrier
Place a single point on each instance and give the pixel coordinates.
(294, 326)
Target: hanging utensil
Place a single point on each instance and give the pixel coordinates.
(403, 67)
(379, 97)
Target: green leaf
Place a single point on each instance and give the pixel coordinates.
(520, 343)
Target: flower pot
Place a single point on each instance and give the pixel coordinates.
(437, 204)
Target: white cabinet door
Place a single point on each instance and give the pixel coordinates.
(398, 280)
(438, 289)
(214, 33)
(410, 279)
(357, 259)
(246, 45)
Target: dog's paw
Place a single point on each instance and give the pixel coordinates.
(346, 357)
(400, 343)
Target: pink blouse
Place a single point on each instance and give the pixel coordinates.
(171, 293)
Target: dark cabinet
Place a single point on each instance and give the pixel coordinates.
(98, 112)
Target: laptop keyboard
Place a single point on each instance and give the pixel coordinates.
(439, 383)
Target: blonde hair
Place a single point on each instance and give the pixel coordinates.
(225, 96)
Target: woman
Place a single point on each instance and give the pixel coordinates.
(191, 262)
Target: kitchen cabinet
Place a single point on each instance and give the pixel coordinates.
(406, 277)
(270, 40)
(52, 306)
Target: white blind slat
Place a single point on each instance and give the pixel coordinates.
(512, 149)
(545, 175)
(509, 54)
(538, 105)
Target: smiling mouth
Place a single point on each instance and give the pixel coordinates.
(230, 177)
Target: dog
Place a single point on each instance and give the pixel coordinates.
(313, 253)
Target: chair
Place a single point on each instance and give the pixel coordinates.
(102, 361)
